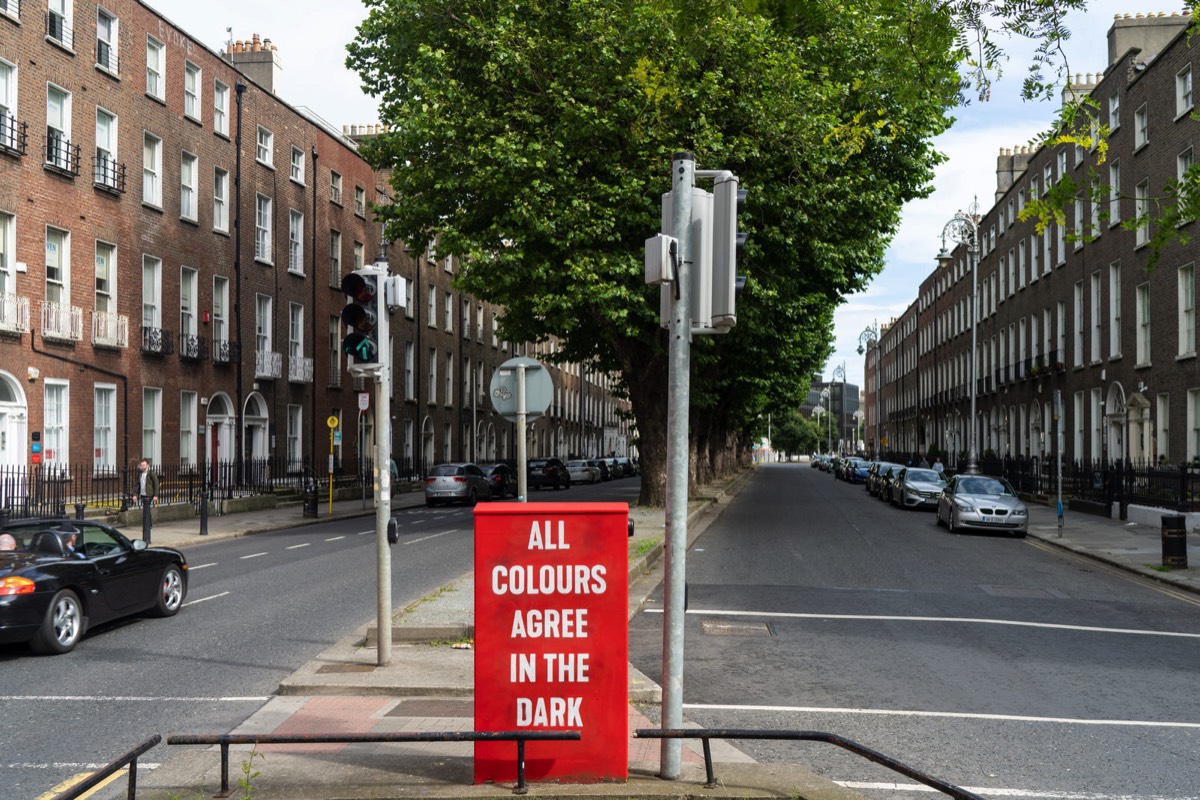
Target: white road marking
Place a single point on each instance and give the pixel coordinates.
(969, 620)
(194, 567)
(884, 712)
(253, 555)
(131, 699)
(297, 546)
(205, 599)
(335, 538)
(426, 538)
(72, 765)
(988, 792)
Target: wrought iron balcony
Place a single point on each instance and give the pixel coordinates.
(157, 341)
(109, 329)
(61, 156)
(14, 313)
(335, 373)
(107, 174)
(14, 136)
(192, 347)
(267, 364)
(62, 321)
(106, 56)
(300, 369)
(225, 351)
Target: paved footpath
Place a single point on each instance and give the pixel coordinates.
(428, 685)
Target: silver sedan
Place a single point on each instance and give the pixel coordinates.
(459, 482)
(583, 472)
(984, 503)
(917, 488)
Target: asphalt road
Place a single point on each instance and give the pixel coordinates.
(994, 663)
(258, 608)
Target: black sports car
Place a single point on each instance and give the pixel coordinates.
(68, 575)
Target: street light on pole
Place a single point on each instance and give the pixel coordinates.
(840, 372)
(858, 418)
(870, 338)
(964, 229)
(827, 396)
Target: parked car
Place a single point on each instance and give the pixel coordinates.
(543, 472)
(50, 597)
(602, 465)
(981, 502)
(456, 482)
(848, 466)
(583, 472)
(502, 480)
(887, 476)
(875, 475)
(916, 487)
(858, 473)
(626, 466)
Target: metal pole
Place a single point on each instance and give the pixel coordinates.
(1059, 437)
(383, 480)
(522, 456)
(683, 178)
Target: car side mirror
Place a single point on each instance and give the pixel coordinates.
(140, 544)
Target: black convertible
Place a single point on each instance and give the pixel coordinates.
(51, 593)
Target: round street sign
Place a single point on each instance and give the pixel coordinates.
(539, 389)
(332, 422)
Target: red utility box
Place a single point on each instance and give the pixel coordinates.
(552, 638)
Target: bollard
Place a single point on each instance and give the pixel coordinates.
(204, 512)
(79, 507)
(147, 520)
(1174, 541)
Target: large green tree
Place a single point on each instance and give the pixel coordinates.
(533, 139)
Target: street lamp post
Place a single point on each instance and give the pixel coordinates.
(869, 338)
(826, 395)
(858, 418)
(964, 229)
(840, 372)
(818, 412)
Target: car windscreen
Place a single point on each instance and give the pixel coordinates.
(984, 486)
(443, 470)
(925, 476)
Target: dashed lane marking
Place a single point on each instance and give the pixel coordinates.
(252, 555)
(298, 546)
(205, 599)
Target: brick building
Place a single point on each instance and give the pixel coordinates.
(166, 292)
(1076, 308)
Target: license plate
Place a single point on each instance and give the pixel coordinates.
(985, 519)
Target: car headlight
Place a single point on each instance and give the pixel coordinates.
(1020, 512)
(963, 505)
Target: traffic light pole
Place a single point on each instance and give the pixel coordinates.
(383, 507)
(683, 178)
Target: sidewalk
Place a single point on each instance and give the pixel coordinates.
(428, 686)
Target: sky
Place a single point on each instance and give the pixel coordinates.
(311, 37)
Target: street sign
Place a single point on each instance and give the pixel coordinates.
(332, 422)
(539, 389)
(364, 400)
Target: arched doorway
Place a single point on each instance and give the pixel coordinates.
(14, 422)
(1140, 434)
(256, 419)
(1114, 422)
(219, 428)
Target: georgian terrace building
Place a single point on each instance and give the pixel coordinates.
(1062, 311)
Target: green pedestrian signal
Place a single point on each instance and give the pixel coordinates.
(362, 315)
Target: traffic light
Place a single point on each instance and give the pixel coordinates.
(728, 246)
(363, 316)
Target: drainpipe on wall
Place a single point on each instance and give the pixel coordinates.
(239, 89)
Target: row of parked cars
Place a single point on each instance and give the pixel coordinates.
(464, 482)
(961, 502)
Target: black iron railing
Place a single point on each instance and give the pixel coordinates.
(98, 777)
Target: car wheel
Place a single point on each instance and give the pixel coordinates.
(950, 522)
(472, 498)
(170, 593)
(62, 628)
(937, 516)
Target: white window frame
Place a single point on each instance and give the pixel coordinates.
(188, 424)
(264, 312)
(106, 277)
(152, 170)
(295, 241)
(220, 310)
(108, 40)
(189, 301)
(263, 219)
(56, 424)
(58, 251)
(295, 331)
(335, 187)
(1141, 211)
(220, 200)
(1186, 297)
(1143, 324)
(1141, 127)
(359, 255)
(221, 108)
(1079, 323)
(151, 292)
(106, 147)
(192, 90)
(64, 9)
(152, 423)
(335, 258)
(189, 195)
(1097, 323)
(433, 374)
(1114, 112)
(59, 155)
(297, 170)
(360, 201)
(295, 435)
(104, 427)
(1114, 310)
(8, 104)
(156, 69)
(1183, 91)
(264, 149)
(1114, 193)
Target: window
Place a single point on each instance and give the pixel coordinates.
(1078, 232)
(1047, 178)
(358, 255)
(432, 382)
(297, 165)
(9, 130)
(295, 430)
(448, 396)
(155, 69)
(448, 315)
(409, 393)
(191, 90)
(1096, 324)
(151, 307)
(1061, 158)
(408, 299)
(221, 108)
(1183, 91)
(106, 273)
(1183, 163)
(262, 324)
(431, 307)
(220, 319)
(187, 187)
(187, 430)
(295, 332)
(335, 351)
(106, 149)
(1162, 417)
(466, 318)
(106, 40)
(1078, 323)
(335, 188)
(1060, 328)
(360, 201)
(265, 152)
(188, 305)
(152, 170)
(59, 26)
(1141, 133)
(262, 229)
(1141, 211)
(56, 435)
(1114, 309)
(296, 242)
(58, 266)
(335, 259)
(59, 151)
(1187, 310)
(220, 200)
(104, 427)
(1143, 324)
(152, 424)
(1114, 193)
(1114, 112)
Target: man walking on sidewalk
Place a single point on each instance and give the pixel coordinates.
(147, 493)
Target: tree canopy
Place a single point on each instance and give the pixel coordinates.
(533, 139)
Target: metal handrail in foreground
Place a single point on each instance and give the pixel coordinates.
(705, 734)
(227, 739)
(94, 780)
